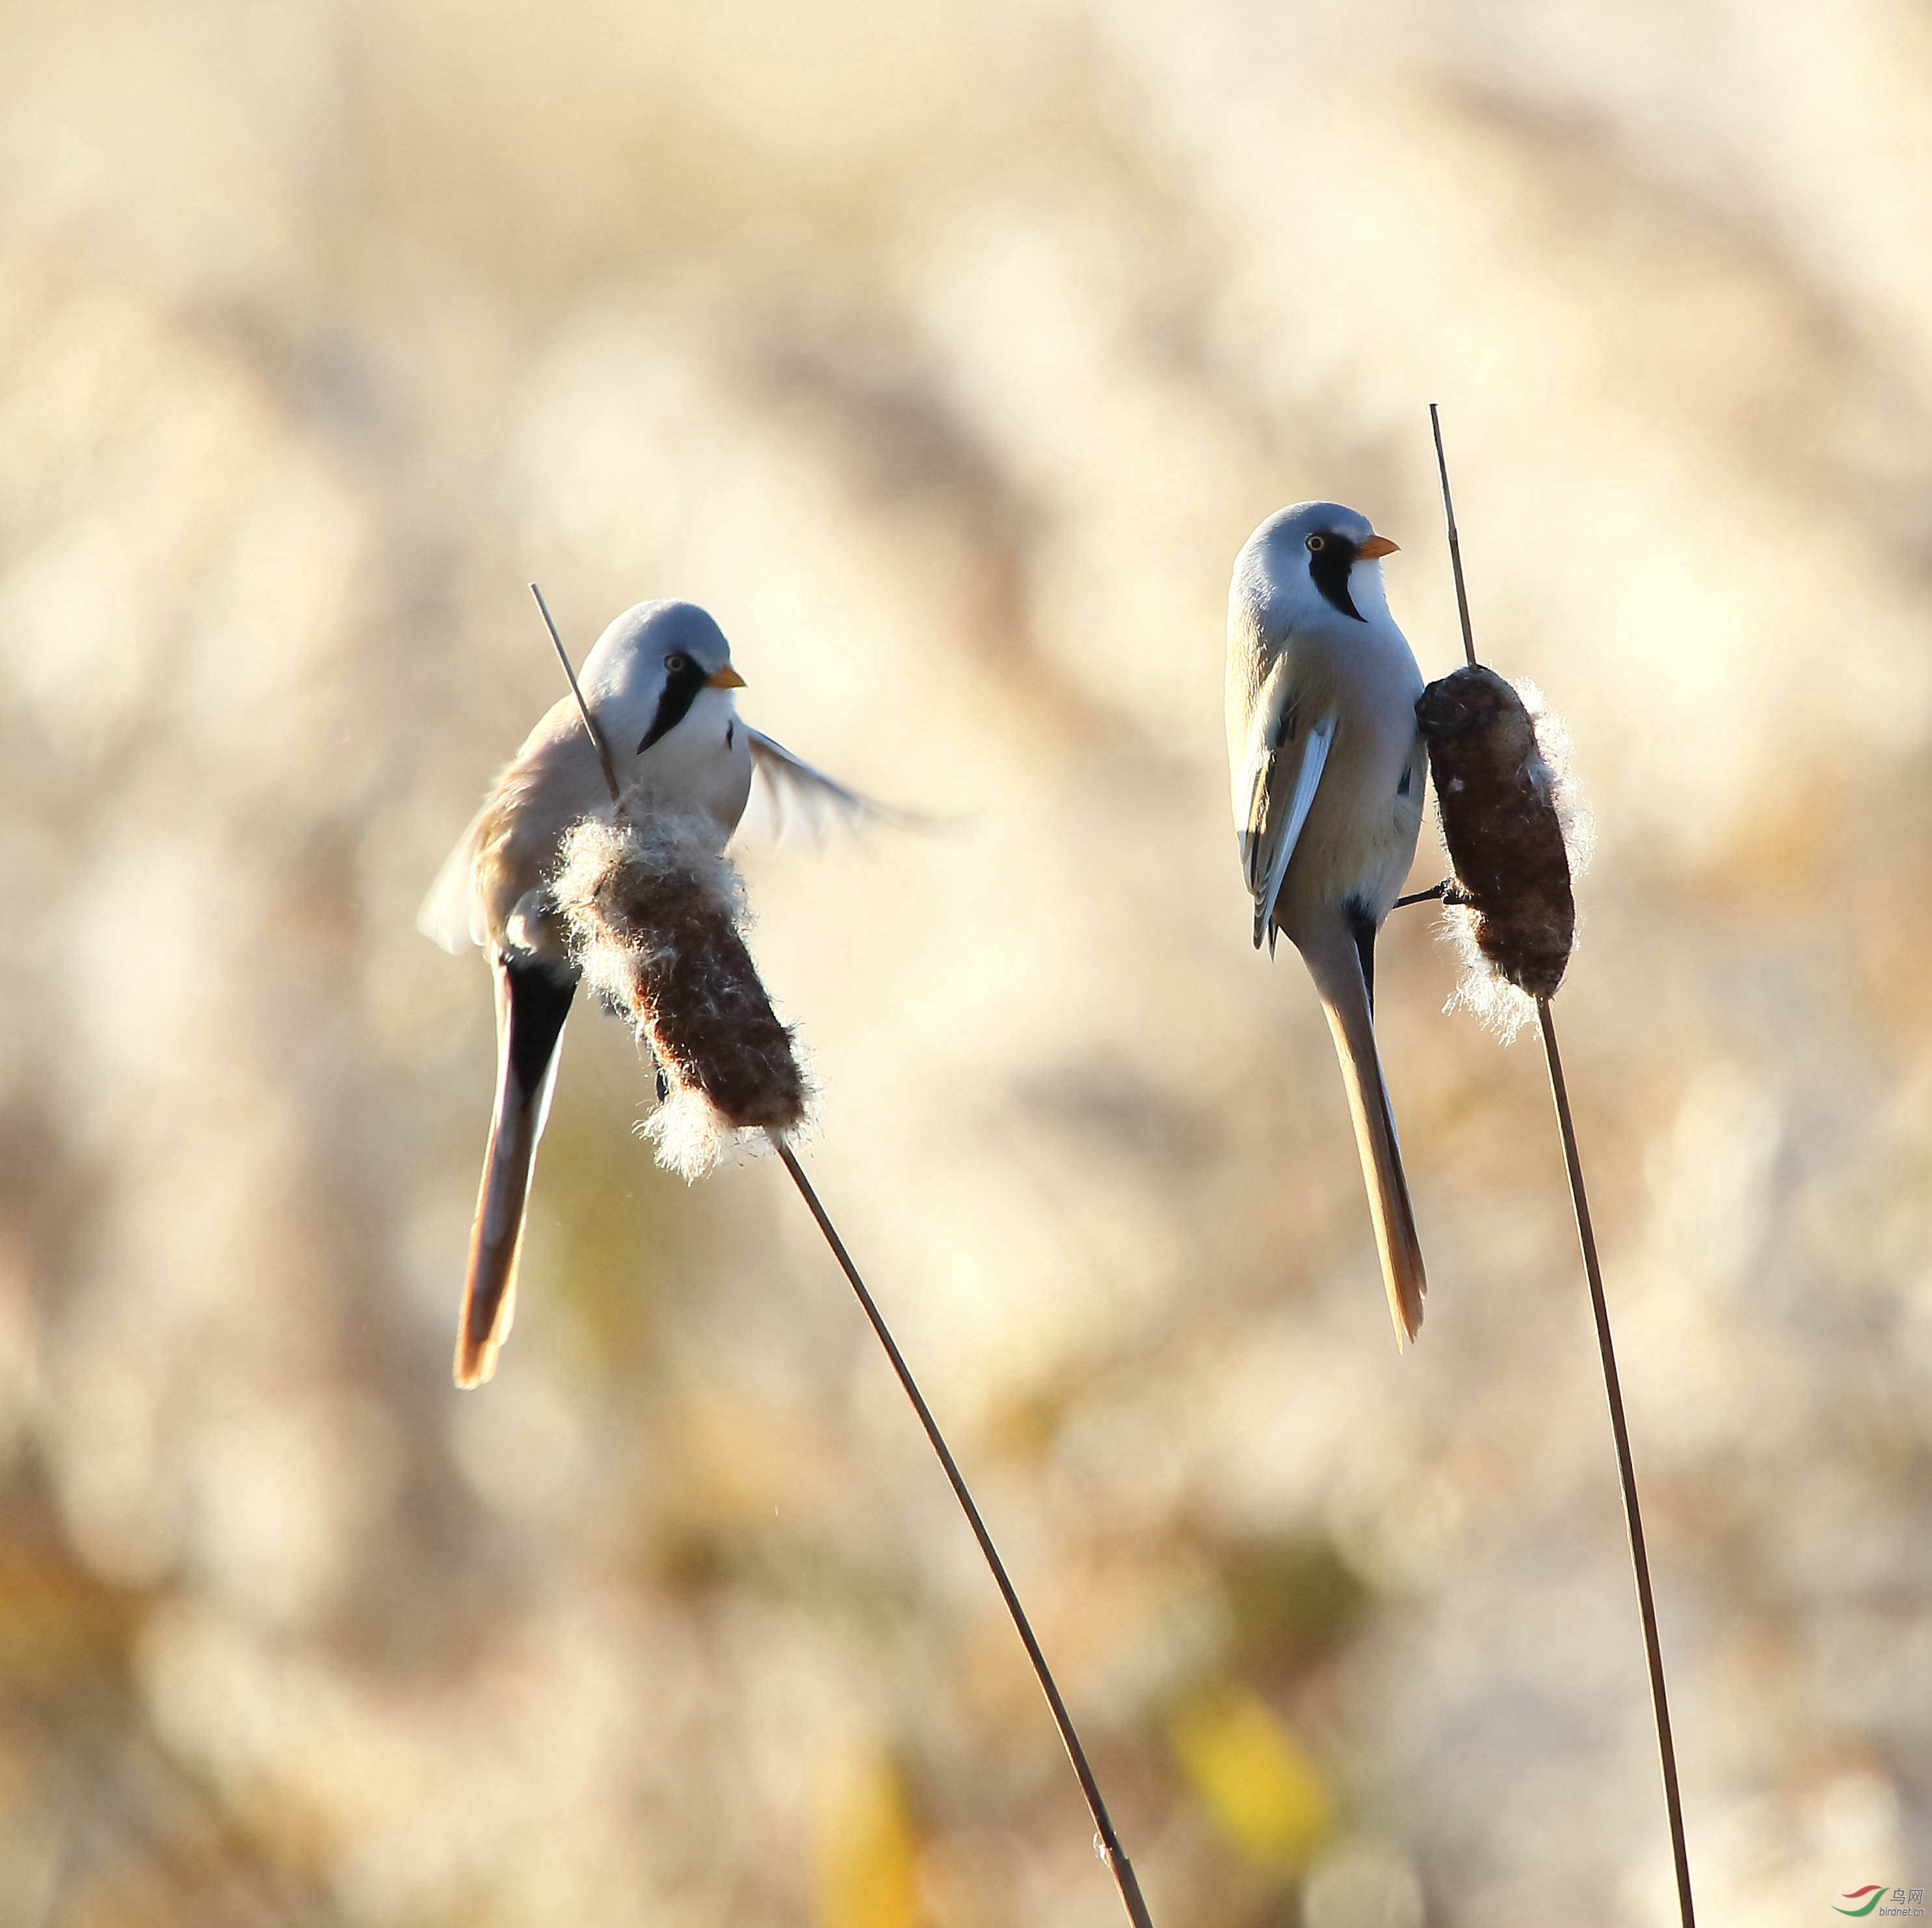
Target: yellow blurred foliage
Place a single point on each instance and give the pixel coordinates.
(865, 1850)
(1254, 1777)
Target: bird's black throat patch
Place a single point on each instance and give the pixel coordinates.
(1328, 567)
(680, 692)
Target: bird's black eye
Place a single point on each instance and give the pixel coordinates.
(1316, 544)
(677, 661)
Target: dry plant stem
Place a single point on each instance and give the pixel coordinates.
(1612, 1387)
(1627, 1473)
(1455, 545)
(1115, 1854)
(1110, 1843)
(602, 748)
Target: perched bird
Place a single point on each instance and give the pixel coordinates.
(1327, 768)
(660, 684)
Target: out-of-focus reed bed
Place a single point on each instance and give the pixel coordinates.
(946, 356)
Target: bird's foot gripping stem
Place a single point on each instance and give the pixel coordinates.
(1447, 891)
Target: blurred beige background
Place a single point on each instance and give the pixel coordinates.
(948, 353)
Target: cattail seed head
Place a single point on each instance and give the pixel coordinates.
(1512, 826)
(654, 910)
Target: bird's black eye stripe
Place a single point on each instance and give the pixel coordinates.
(1330, 559)
(683, 678)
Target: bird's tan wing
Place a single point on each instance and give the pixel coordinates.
(451, 914)
(1287, 751)
(512, 841)
(787, 793)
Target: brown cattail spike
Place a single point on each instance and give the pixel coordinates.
(1497, 797)
(653, 910)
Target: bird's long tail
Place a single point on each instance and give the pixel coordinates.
(1339, 965)
(531, 1006)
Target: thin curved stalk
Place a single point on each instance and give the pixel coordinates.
(1653, 1650)
(1109, 1842)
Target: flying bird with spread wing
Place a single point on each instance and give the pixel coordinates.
(1326, 762)
(661, 688)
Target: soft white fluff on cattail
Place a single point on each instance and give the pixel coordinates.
(1556, 749)
(655, 913)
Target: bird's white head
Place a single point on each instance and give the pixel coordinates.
(1313, 563)
(661, 668)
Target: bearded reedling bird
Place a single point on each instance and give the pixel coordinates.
(1327, 768)
(660, 684)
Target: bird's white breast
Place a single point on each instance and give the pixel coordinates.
(703, 765)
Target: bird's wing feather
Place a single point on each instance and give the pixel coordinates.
(451, 915)
(1286, 757)
(1271, 722)
(785, 789)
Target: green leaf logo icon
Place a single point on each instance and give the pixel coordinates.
(1875, 1890)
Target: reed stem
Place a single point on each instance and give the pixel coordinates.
(1659, 1700)
(1455, 543)
(597, 742)
(1109, 1843)
(1566, 1125)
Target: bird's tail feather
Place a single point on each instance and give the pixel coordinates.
(1336, 968)
(531, 1007)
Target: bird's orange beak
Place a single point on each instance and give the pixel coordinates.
(1376, 545)
(727, 678)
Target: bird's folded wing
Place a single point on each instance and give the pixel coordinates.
(451, 915)
(786, 790)
(1286, 754)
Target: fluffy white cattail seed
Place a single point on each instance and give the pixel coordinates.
(655, 910)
